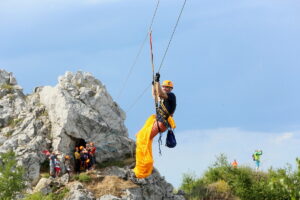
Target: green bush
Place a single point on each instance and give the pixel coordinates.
(52, 196)
(221, 181)
(14, 122)
(83, 177)
(11, 176)
(118, 163)
(8, 87)
(35, 196)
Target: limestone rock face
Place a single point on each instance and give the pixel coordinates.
(57, 118)
(78, 108)
(78, 192)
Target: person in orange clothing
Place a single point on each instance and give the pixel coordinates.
(234, 164)
(155, 124)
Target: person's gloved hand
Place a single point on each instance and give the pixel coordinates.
(157, 76)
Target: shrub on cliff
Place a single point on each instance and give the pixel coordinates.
(11, 176)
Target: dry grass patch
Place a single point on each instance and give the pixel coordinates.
(113, 185)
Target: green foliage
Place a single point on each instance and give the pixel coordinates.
(221, 181)
(7, 87)
(83, 177)
(14, 122)
(11, 176)
(286, 181)
(118, 163)
(35, 196)
(58, 195)
(8, 134)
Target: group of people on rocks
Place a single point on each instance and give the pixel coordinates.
(84, 157)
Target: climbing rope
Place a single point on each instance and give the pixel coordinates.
(138, 98)
(155, 93)
(175, 27)
(139, 52)
(164, 56)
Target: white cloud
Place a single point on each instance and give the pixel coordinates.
(283, 137)
(197, 149)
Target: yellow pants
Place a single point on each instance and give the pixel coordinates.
(144, 159)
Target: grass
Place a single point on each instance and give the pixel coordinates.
(8, 87)
(78, 85)
(14, 122)
(45, 175)
(8, 134)
(118, 163)
(11, 97)
(58, 195)
(83, 177)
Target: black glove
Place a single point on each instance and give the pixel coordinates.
(157, 76)
(152, 82)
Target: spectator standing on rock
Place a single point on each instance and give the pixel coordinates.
(234, 164)
(256, 158)
(52, 164)
(77, 160)
(93, 155)
(67, 164)
(57, 167)
(82, 158)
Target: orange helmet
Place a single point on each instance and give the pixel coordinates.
(167, 83)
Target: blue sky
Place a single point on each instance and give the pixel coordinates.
(234, 63)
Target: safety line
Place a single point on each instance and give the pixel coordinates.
(138, 98)
(138, 54)
(171, 36)
(142, 94)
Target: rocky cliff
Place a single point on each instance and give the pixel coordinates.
(77, 110)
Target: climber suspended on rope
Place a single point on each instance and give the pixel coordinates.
(165, 105)
(155, 124)
(165, 108)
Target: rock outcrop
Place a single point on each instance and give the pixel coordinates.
(77, 110)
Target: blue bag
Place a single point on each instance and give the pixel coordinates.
(171, 140)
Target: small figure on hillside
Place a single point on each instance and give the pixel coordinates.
(256, 157)
(57, 167)
(52, 158)
(67, 164)
(234, 164)
(77, 160)
(93, 155)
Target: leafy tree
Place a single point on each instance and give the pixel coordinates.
(222, 181)
(286, 181)
(11, 176)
